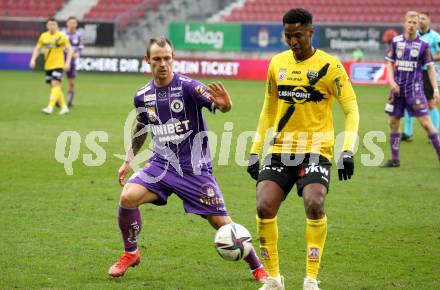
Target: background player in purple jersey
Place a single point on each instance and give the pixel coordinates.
(170, 108)
(406, 57)
(77, 43)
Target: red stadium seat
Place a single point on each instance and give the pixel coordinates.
(336, 11)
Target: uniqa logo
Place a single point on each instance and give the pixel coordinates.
(201, 36)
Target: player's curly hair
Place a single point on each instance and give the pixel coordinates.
(298, 15)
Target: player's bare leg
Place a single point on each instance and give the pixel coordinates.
(269, 198)
(316, 231)
(434, 113)
(258, 271)
(426, 123)
(130, 224)
(395, 137)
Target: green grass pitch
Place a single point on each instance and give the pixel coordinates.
(60, 231)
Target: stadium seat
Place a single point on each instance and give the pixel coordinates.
(334, 11)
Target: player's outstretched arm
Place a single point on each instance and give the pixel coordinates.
(138, 137)
(220, 97)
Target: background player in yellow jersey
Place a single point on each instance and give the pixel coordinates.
(54, 43)
(302, 83)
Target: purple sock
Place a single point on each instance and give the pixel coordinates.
(130, 224)
(436, 143)
(70, 96)
(252, 260)
(395, 146)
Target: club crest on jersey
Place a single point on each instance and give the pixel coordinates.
(282, 74)
(312, 75)
(414, 52)
(177, 106)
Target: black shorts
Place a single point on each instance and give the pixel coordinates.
(286, 174)
(54, 74)
(427, 86)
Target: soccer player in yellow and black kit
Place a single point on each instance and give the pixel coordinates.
(54, 43)
(302, 84)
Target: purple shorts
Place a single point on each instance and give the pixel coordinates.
(200, 193)
(71, 74)
(415, 106)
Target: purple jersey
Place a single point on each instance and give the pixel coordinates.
(173, 115)
(409, 56)
(76, 41)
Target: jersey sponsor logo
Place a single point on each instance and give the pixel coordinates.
(294, 79)
(177, 106)
(313, 253)
(299, 94)
(315, 168)
(176, 95)
(173, 130)
(151, 113)
(296, 72)
(406, 65)
(282, 74)
(148, 98)
(173, 89)
(399, 52)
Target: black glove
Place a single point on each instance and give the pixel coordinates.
(254, 166)
(345, 165)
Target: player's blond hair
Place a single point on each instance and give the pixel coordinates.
(411, 14)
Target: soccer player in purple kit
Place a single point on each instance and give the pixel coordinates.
(77, 43)
(170, 108)
(406, 57)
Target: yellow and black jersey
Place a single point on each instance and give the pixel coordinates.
(298, 105)
(54, 46)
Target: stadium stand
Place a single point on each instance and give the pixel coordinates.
(30, 8)
(333, 11)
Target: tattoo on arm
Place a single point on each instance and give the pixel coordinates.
(138, 137)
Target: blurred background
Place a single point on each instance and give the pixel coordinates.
(212, 38)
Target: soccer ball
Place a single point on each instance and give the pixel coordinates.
(233, 242)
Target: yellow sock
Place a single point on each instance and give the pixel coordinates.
(267, 230)
(61, 97)
(316, 233)
(53, 96)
